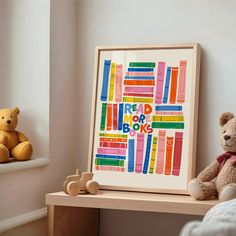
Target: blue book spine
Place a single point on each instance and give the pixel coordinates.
(105, 81)
(140, 77)
(168, 108)
(140, 69)
(147, 155)
(131, 155)
(110, 156)
(120, 118)
(167, 85)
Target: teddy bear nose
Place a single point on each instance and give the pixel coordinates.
(226, 137)
(9, 122)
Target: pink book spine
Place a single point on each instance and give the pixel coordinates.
(111, 151)
(139, 153)
(177, 153)
(139, 73)
(160, 81)
(118, 87)
(139, 89)
(110, 168)
(161, 152)
(182, 82)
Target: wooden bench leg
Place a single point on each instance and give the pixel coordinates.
(73, 221)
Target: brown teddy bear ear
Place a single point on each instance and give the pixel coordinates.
(225, 117)
(16, 110)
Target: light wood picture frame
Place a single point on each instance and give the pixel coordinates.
(144, 117)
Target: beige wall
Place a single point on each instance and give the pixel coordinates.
(26, 189)
(127, 22)
(112, 22)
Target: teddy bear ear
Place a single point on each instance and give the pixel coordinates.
(225, 117)
(16, 110)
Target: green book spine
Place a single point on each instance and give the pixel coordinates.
(167, 125)
(142, 64)
(103, 116)
(109, 162)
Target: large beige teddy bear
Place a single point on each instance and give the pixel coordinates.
(12, 143)
(219, 178)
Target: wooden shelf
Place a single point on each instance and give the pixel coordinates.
(133, 201)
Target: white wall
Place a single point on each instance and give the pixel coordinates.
(126, 22)
(24, 191)
(24, 63)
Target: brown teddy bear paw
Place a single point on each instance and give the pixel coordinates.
(196, 189)
(228, 192)
(22, 151)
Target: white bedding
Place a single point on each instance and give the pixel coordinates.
(219, 221)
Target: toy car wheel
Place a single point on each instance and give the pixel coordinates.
(72, 188)
(92, 187)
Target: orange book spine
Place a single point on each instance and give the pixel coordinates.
(169, 150)
(173, 88)
(109, 116)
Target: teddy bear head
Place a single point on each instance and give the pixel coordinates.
(228, 135)
(8, 119)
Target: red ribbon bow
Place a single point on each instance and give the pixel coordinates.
(225, 156)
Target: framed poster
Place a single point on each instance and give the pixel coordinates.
(144, 118)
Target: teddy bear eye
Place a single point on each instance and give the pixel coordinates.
(11, 116)
(2, 117)
(224, 131)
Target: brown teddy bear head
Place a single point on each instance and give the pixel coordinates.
(8, 119)
(228, 135)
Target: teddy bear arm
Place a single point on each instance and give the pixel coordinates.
(22, 137)
(210, 172)
(3, 139)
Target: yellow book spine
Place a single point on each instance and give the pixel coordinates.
(153, 155)
(112, 82)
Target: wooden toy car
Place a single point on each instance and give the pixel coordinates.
(80, 183)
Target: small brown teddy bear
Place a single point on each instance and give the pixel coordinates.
(219, 178)
(12, 143)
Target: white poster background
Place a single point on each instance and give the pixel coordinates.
(153, 181)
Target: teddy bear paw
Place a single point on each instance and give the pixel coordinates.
(4, 154)
(196, 189)
(228, 192)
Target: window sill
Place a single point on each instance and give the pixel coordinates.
(17, 166)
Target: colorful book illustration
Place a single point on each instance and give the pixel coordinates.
(105, 81)
(139, 153)
(110, 168)
(139, 83)
(147, 155)
(177, 153)
(120, 119)
(115, 117)
(182, 82)
(141, 126)
(167, 85)
(168, 118)
(153, 156)
(168, 108)
(134, 89)
(160, 151)
(118, 87)
(131, 155)
(112, 82)
(111, 153)
(109, 116)
(160, 81)
(173, 88)
(169, 150)
(103, 116)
